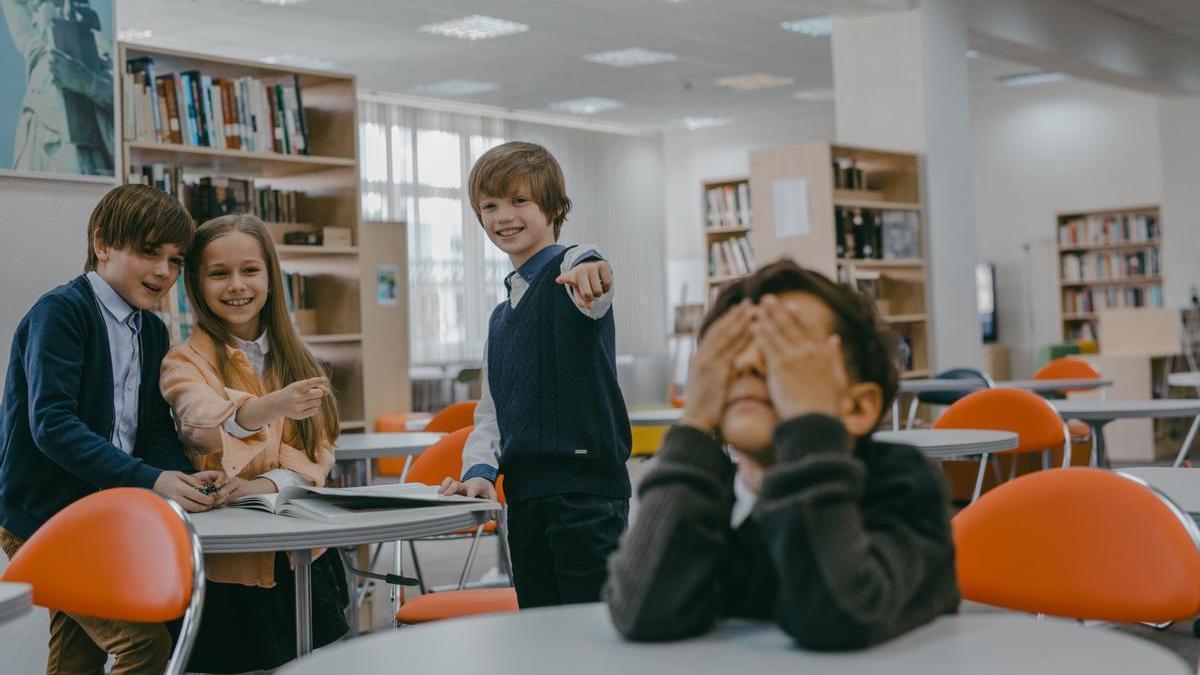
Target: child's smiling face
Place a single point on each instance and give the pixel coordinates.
(749, 418)
(516, 224)
(236, 282)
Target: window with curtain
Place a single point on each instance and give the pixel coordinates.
(415, 165)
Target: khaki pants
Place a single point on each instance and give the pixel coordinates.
(80, 645)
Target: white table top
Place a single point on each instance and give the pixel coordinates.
(1191, 379)
(235, 530)
(1046, 386)
(15, 599)
(580, 640)
(1182, 486)
(950, 443)
(932, 385)
(654, 418)
(370, 446)
(1101, 410)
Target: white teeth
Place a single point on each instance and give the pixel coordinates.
(240, 302)
(506, 233)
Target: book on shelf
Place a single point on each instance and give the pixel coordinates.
(194, 108)
(1109, 265)
(335, 505)
(1108, 229)
(733, 257)
(210, 196)
(176, 312)
(728, 205)
(876, 234)
(1091, 300)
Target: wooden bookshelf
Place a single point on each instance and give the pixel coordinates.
(1107, 259)
(351, 332)
(864, 226)
(727, 241)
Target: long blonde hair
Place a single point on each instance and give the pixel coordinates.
(288, 359)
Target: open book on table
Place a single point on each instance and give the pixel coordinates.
(336, 504)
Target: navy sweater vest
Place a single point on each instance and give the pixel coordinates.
(552, 372)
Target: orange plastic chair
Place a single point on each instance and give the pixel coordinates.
(451, 418)
(1032, 418)
(453, 604)
(1067, 368)
(1080, 543)
(442, 459)
(143, 563)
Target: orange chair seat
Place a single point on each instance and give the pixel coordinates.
(1080, 431)
(454, 604)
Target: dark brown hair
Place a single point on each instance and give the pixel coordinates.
(868, 344)
(288, 359)
(136, 216)
(502, 170)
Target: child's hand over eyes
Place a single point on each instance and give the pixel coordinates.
(589, 280)
(711, 368)
(805, 372)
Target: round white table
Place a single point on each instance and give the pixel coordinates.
(1098, 412)
(941, 444)
(15, 600)
(1182, 486)
(239, 530)
(655, 417)
(1051, 386)
(1191, 379)
(362, 448)
(580, 640)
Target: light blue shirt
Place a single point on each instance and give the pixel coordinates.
(122, 323)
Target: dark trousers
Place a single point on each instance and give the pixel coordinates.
(560, 546)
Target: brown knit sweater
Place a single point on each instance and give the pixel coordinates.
(849, 544)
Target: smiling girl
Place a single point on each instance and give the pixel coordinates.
(249, 399)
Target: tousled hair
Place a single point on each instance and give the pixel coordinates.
(502, 170)
(136, 216)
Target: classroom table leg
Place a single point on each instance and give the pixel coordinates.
(1098, 439)
(896, 412)
(302, 560)
(1187, 443)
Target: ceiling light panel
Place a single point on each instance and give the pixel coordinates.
(475, 27)
(1027, 79)
(132, 34)
(817, 26)
(754, 81)
(694, 123)
(589, 105)
(814, 95)
(277, 3)
(633, 56)
(456, 88)
(300, 61)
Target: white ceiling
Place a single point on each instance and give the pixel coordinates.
(379, 41)
(1179, 17)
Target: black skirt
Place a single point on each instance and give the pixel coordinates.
(251, 628)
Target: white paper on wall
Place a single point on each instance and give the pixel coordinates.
(789, 199)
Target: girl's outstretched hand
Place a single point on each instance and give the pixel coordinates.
(301, 400)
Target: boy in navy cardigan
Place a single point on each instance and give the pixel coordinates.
(551, 418)
(82, 410)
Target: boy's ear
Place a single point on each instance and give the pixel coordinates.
(863, 404)
(100, 248)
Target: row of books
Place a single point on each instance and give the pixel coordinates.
(728, 205)
(191, 108)
(1089, 300)
(733, 257)
(207, 197)
(1109, 266)
(1108, 230)
(867, 234)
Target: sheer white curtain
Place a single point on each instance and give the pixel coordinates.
(415, 164)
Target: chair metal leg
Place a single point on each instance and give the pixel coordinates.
(412, 548)
(996, 474)
(983, 462)
(462, 578)
(912, 412)
(1067, 446)
(1187, 443)
(1012, 466)
(502, 537)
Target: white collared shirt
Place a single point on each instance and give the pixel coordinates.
(256, 353)
(483, 445)
(122, 323)
(744, 500)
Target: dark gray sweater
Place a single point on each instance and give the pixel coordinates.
(849, 544)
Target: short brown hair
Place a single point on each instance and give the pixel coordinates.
(867, 342)
(501, 170)
(132, 216)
